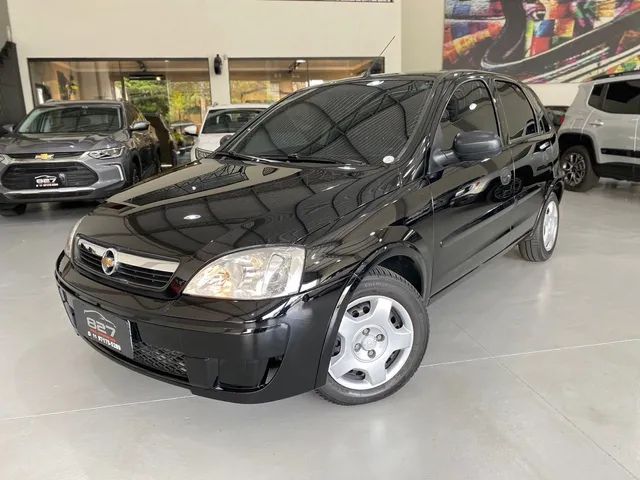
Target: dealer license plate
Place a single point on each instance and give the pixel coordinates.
(104, 328)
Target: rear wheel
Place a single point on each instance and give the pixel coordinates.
(381, 340)
(541, 245)
(579, 175)
(13, 209)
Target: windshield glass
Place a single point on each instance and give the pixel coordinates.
(228, 120)
(72, 119)
(361, 121)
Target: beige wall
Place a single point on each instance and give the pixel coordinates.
(203, 28)
(4, 22)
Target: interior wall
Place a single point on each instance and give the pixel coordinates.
(203, 28)
(4, 22)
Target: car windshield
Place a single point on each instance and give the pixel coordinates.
(72, 119)
(364, 121)
(228, 120)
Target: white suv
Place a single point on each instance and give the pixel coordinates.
(600, 136)
(221, 121)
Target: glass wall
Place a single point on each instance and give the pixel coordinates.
(266, 80)
(179, 89)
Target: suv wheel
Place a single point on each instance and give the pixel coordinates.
(577, 164)
(13, 210)
(381, 340)
(540, 246)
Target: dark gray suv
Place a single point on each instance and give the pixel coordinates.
(75, 150)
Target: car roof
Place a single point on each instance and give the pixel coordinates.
(58, 103)
(239, 106)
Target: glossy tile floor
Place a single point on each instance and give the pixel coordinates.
(532, 372)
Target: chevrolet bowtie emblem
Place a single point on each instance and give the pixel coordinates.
(44, 156)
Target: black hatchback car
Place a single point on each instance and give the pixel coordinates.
(303, 254)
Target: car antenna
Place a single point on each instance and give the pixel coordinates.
(375, 66)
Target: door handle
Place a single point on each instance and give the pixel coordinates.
(596, 123)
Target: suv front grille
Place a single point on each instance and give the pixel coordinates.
(130, 269)
(55, 155)
(71, 174)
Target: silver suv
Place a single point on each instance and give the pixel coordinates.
(600, 136)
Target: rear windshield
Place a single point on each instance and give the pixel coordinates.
(229, 120)
(72, 119)
(361, 121)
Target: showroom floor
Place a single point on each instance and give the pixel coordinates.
(532, 372)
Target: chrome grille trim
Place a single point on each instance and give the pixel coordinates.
(130, 259)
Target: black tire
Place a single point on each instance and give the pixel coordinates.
(13, 209)
(533, 248)
(135, 173)
(578, 167)
(381, 281)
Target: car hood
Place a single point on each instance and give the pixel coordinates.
(209, 207)
(57, 143)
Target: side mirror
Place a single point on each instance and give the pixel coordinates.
(139, 126)
(224, 140)
(8, 127)
(476, 146)
(191, 130)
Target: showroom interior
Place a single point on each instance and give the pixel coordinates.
(531, 367)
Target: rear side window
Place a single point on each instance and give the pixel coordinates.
(521, 120)
(623, 97)
(470, 108)
(595, 99)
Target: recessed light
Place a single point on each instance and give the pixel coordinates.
(193, 216)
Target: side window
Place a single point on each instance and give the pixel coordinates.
(521, 120)
(595, 99)
(470, 108)
(623, 97)
(131, 112)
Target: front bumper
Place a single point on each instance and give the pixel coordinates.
(244, 352)
(110, 178)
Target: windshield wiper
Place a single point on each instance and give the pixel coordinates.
(295, 157)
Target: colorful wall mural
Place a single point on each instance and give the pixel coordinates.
(543, 40)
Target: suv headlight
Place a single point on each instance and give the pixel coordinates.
(4, 160)
(106, 153)
(200, 153)
(68, 247)
(253, 274)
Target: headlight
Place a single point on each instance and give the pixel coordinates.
(68, 248)
(200, 153)
(254, 274)
(4, 160)
(106, 153)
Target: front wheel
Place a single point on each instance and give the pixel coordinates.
(542, 243)
(381, 340)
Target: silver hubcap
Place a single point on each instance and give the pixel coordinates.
(550, 226)
(374, 342)
(575, 168)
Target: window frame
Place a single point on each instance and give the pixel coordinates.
(524, 138)
(605, 94)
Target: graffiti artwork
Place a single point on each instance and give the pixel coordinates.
(543, 40)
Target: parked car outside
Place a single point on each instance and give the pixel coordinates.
(183, 141)
(75, 150)
(600, 136)
(166, 141)
(220, 122)
(303, 254)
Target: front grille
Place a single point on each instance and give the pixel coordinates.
(55, 155)
(129, 270)
(161, 359)
(70, 174)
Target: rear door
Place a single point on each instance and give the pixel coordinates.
(472, 202)
(532, 145)
(614, 121)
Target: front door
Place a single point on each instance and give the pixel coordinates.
(472, 202)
